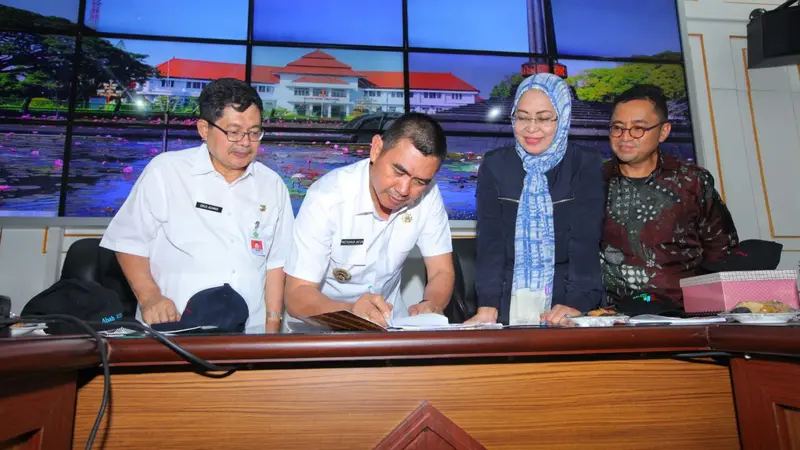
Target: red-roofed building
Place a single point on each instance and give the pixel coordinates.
(318, 63)
(187, 78)
(430, 91)
(317, 84)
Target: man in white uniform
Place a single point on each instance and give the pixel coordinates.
(206, 216)
(358, 223)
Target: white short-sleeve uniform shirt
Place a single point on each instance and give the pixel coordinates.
(337, 227)
(199, 231)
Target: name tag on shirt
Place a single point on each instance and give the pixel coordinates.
(352, 242)
(257, 247)
(207, 207)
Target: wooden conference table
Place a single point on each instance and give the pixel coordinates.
(629, 387)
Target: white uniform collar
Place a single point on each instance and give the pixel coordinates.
(364, 203)
(201, 163)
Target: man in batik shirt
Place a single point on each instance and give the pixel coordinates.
(664, 219)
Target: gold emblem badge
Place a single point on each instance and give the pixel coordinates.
(407, 218)
(341, 275)
(262, 208)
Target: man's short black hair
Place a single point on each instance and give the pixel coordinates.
(646, 92)
(224, 92)
(424, 133)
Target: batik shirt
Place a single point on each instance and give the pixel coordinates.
(661, 229)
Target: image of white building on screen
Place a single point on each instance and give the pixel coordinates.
(317, 84)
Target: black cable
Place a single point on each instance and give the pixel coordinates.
(186, 355)
(160, 337)
(101, 344)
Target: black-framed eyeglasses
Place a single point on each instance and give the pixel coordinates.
(527, 122)
(236, 136)
(635, 132)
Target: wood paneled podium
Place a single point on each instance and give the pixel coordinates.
(626, 387)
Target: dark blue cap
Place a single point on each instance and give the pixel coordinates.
(220, 306)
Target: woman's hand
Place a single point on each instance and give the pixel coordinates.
(559, 315)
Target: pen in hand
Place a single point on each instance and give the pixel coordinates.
(387, 316)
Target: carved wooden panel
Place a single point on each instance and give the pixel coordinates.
(614, 405)
(428, 429)
(37, 412)
(789, 427)
(767, 403)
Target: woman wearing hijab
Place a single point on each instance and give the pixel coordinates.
(540, 207)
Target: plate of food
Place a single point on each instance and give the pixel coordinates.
(21, 329)
(761, 313)
(600, 318)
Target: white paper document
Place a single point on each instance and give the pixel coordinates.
(431, 321)
(665, 320)
(188, 329)
(119, 332)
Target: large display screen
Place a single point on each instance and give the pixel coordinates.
(78, 127)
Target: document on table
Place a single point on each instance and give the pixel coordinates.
(431, 321)
(120, 332)
(347, 321)
(654, 319)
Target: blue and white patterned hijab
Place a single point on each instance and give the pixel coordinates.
(534, 240)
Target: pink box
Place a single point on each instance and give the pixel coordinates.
(722, 291)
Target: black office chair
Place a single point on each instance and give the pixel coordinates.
(5, 306)
(86, 260)
(463, 303)
(5, 313)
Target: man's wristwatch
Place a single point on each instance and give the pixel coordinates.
(274, 315)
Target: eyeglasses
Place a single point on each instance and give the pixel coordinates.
(635, 132)
(531, 122)
(236, 136)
